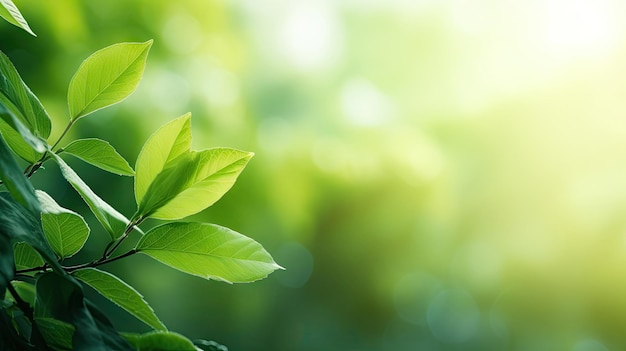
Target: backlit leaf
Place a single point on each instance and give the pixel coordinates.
(122, 294)
(9, 12)
(107, 77)
(208, 251)
(65, 230)
(26, 257)
(113, 221)
(58, 334)
(163, 147)
(100, 154)
(194, 183)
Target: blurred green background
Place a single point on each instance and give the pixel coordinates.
(434, 174)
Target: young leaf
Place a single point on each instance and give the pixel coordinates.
(208, 251)
(9, 12)
(122, 294)
(194, 183)
(100, 154)
(160, 341)
(113, 221)
(65, 230)
(26, 257)
(107, 77)
(17, 97)
(162, 148)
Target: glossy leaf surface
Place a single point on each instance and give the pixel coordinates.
(107, 77)
(120, 293)
(208, 251)
(100, 154)
(65, 230)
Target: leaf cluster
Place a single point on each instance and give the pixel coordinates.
(43, 306)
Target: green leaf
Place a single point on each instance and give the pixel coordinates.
(120, 293)
(173, 182)
(26, 257)
(61, 298)
(163, 147)
(26, 291)
(194, 183)
(17, 98)
(6, 262)
(58, 334)
(208, 251)
(160, 341)
(19, 137)
(9, 12)
(107, 77)
(16, 182)
(113, 221)
(18, 224)
(65, 230)
(100, 154)
(112, 339)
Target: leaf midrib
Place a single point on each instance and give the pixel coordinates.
(80, 114)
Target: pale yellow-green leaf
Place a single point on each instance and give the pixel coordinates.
(10, 12)
(201, 180)
(100, 154)
(107, 77)
(208, 251)
(166, 144)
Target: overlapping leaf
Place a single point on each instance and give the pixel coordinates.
(113, 221)
(173, 182)
(20, 213)
(17, 98)
(19, 137)
(208, 251)
(65, 230)
(26, 257)
(10, 12)
(106, 77)
(100, 154)
(122, 294)
(61, 298)
(160, 150)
